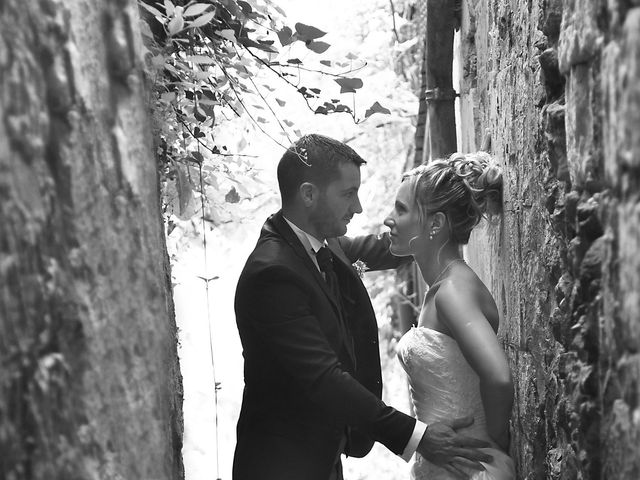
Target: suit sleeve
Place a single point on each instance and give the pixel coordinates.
(373, 250)
(292, 332)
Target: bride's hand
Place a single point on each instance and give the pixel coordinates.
(442, 446)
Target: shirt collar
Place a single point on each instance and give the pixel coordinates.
(310, 243)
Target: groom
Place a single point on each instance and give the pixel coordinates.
(310, 339)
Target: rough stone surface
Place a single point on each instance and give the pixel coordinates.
(557, 85)
(89, 382)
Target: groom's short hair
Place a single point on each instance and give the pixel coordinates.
(313, 158)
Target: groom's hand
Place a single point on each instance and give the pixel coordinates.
(442, 446)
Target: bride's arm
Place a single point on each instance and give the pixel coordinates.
(458, 308)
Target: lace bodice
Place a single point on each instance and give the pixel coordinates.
(443, 387)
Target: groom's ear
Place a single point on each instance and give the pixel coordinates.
(308, 193)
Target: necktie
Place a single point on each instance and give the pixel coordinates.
(325, 262)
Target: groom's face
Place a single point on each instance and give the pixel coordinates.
(338, 202)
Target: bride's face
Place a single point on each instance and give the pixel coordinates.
(404, 223)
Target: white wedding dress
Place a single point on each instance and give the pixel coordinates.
(443, 387)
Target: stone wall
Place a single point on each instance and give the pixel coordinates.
(557, 86)
(89, 380)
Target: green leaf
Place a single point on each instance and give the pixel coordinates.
(348, 85)
(288, 123)
(152, 10)
(307, 32)
(315, 90)
(172, 69)
(351, 56)
(294, 61)
(185, 193)
(212, 180)
(168, 97)
(228, 34)
(197, 156)
(199, 114)
(169, 7)
(284, 36)
(209, 93)
(232, 196)
(233, 8)
(176, 24)
(318, 47)
(276, 7)
(282, 103)
(326, 63)
(208, 110)
(261, 120)
(145, 29)
(242, 190)
(246, 7)
(202, 20)
(195, 9)
(200, 59)
(321, 110)
(266, 46)
(248, 42)
(376, 108)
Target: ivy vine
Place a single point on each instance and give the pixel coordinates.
(203, 59)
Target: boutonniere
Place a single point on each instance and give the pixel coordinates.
(360, 267)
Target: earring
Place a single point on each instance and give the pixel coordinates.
(432, 234)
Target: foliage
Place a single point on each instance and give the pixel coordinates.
(207, 61)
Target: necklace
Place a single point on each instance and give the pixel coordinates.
(446, 267)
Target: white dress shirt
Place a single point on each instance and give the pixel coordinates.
(312, 245)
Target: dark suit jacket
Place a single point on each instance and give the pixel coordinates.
(306, 383)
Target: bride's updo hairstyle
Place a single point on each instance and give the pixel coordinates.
(465, 187)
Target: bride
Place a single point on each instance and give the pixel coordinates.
(453, 359)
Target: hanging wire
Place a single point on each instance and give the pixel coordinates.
(206, 284)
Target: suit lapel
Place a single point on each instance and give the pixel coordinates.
(282, 227)
(339, 253)
(352, 279)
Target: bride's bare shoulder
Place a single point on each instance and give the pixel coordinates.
(465, 289)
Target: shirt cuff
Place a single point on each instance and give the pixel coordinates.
(418, 432)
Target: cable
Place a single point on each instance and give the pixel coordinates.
(206, 283)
